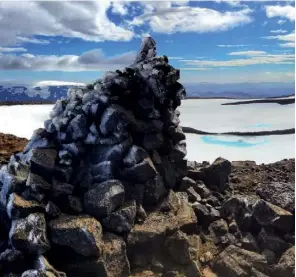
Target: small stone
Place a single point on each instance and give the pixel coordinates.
(233, 228)
(134, 156)
(219, 227)
(52, 209)
(187, 183)
(81, 233)
(249, 243)
(206, 257)
(202, 214)
(193, 196)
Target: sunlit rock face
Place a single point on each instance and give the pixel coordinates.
(107, 153)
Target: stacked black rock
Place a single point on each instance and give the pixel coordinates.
(109, 152)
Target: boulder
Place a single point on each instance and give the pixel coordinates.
(237, 262)
(114, 153)
(286, 265)
(268, 214)
(182, 248)
(249, 243)
(115, 119)
(122, 220)
(219, 228)
(152, 233)
(154, 191)
(37, 182)
(42, 161)
(103, 171)
(152, 141)
(279, 194)
(171, 203)
(42, 264)
(187, 183)
(193, 196)
(268, 240)
(141, 172)
(78, 127)
(134, 156)
(18, 207)
(113, 261)
(12, 260)
(104, 198)
(29, 234)
(82, 233)
(202, 213)
(215, 176)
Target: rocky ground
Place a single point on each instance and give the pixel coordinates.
(10, 144)
(227, 219)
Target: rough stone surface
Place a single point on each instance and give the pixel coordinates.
(82, 233)
(280, 194)
(268, 214)
(237, 262)
(104, 198)
(29, 234)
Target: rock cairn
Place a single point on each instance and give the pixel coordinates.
(109, 152)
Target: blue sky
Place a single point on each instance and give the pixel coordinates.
(210, 41)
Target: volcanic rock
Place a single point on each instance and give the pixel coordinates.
(104, 198)
(82, 233)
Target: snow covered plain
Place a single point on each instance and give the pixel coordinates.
(205, 115)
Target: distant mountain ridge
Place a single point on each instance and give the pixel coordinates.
(51, 91)
(240, 90)
(27, 94)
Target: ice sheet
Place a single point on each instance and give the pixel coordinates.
(273, 148)
(211, 116)
(206, 115)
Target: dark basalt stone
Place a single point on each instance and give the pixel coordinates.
(104, 198)
(81, 233)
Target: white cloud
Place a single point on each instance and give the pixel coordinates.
(168, 19)
(281, 21)
(247, 53)
(288, 45)
(280, 31)
(287, 12)
(119, 8)
(288, 37)
(175, 58)
(72, 19)
(12, 49)
(231, 45)
(32, 40)
(194, 68)
(88, 61)
(253, 58)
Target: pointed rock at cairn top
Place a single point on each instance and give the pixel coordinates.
(147, 50)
